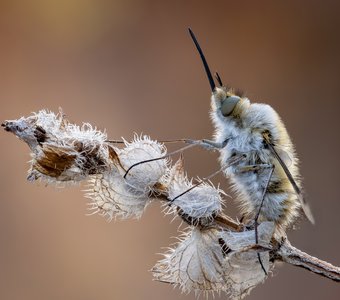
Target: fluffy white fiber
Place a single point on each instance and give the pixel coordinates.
(200, 204)
(209, 260)
(242, 266)
(196, 264)
(114, 196)
(143, 176)
(61, 151)
(123, 181)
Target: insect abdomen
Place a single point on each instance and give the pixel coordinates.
(280, 203)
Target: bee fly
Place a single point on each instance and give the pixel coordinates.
(256, 153)
(267, 180)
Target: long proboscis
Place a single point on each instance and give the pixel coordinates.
(205, 64)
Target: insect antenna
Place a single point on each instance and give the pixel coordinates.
(205, 64)
(218, 78)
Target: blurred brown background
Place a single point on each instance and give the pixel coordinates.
(130, 66)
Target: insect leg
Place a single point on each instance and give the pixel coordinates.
(232, 161)
(265, 191)
(206, 144)
(158, 158)
(214, 145)
(258, 214)
(251, 168)
(162, 141)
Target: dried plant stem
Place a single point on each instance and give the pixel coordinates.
(66, 152)
(285, 252)
(289, 254)
(228, 222)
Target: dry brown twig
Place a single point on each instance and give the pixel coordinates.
(215, 254)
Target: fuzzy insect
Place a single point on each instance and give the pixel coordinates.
(267, 180)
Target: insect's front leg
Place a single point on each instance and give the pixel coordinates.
(208, 144)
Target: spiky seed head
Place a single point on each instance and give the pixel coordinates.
(242, 266)
(112, 197)
(199, 205)
(61, 151)
(143, 176)
(196, 264)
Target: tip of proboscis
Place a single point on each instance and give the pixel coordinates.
(204, 61)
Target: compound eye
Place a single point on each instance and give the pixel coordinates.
(229, 104)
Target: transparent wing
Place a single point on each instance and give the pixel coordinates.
(285, 157)
(281, 160)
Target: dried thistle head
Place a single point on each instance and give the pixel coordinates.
(198, 206)
(113, 196)
(242, 266)
(144, 176)
(62, 151)
(211, 260)
(195, 264)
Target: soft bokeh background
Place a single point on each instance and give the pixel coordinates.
(129, 66)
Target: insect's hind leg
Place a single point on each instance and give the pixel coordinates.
(250, 168)
(258, 214)
(270, 174)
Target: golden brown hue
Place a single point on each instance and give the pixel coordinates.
(54, 161)
(130, 66)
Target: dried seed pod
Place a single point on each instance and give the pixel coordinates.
(242, 266)
(144, 176)
(114, 196)
(196, 264)
(198, 206)
(210, 260)
(62, 152)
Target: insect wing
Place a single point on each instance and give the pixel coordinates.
(304, 204)
(285, 157)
